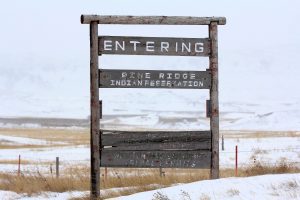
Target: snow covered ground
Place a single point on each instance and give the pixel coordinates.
(284, 186)
(267, 187)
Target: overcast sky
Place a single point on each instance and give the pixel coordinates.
(43, 41)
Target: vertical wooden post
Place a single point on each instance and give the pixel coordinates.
(57, 167)
(51, 170)
(19, 165)
(105, 174)
(222, 142)
(214, 97)
(236, 160)
(95, 115)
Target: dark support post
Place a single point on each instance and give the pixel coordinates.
(57, 167)
(222, 142)
(95, 114)
(19, 165)
(236, 160)
(214, 117)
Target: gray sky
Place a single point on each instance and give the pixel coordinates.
(45, 50)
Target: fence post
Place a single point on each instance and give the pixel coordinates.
(19, 165)
(236, 160)
(105, 174)
(57, 167)
(51, 170)
(161, 172)
(222, 142)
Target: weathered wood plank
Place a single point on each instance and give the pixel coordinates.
(205, 144)
(130, 45)
(156, 159)
(214, 97)
(94, 131)
(163, 20)
(111, 138)
(188, 140)
(154, 79)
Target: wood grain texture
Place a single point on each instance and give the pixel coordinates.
(132, 45)
(158, 140)
(95, 115)
(214, 97)
(156, 159)
(117, 78)
(163, 20)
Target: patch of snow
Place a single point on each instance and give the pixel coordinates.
(268, 187)
(21, 140)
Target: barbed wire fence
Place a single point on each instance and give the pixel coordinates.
(51, 165)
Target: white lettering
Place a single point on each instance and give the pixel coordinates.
(123, 82)
(107, 45)
(152, 83)
(157, 83)
(150, 46)
(199, 47)
(140, 83)
(161, 76)
(192, 76)
(140, 76)
(168, 83)
(131, 75)
(165, 46)
(134, 44)
(118, 44)
(147, 75)
(169, 75)
(184, 46)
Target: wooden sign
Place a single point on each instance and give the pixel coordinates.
(155, 159)
(184, 149)
(156, 140)
(154, 46)
(154, 79)
(190, 149)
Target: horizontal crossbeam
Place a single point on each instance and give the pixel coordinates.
(158, 20)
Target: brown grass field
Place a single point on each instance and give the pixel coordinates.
(77, 178)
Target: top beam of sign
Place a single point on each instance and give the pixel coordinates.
(148, 20)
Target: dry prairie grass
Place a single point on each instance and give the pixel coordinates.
(128, 181)
(258, 168)
(259, 134)
(26, 146)
(66, 136)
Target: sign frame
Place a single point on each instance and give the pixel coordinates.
(96, 134)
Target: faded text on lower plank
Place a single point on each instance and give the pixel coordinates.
(155, 159)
